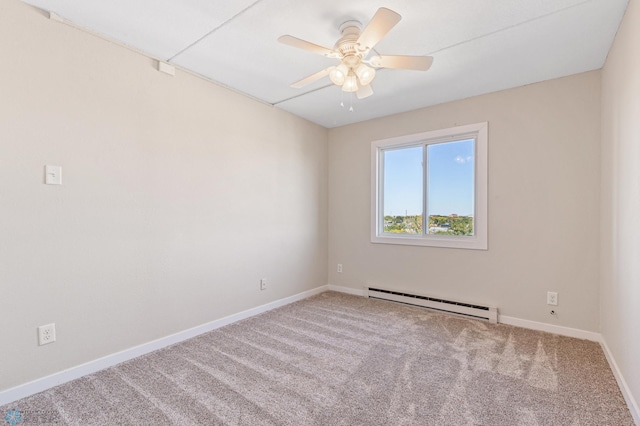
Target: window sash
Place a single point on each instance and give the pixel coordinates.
(426, 200)
(477, 133)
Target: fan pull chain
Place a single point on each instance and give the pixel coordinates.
(350, 100)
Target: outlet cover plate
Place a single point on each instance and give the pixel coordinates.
(46, 334)
(552, 298)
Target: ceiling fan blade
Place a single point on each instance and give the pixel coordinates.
(418, 63)
(380, 25)
(310, 79)
(364, 91)
(306, 45)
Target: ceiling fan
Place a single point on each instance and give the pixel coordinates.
(355, 71)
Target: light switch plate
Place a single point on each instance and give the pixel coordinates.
(53, 175)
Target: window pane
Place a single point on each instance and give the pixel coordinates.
(450, 202)
(403, 189)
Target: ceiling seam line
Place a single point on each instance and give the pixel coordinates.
(213, 31)
(302, 94)
(315, 90)
(510, 27)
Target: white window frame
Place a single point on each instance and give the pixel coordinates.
(478, 241)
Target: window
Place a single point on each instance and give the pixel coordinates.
(430, 189)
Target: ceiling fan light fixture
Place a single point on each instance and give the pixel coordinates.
(355, 72)
(365, 74)
(338, 75)
(351, 83)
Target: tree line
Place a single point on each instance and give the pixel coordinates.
(438, 224)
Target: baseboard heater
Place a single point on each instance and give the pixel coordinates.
(488, 313)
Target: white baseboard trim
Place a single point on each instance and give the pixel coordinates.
(533, 325)
(622, 384)
(550, 328)
(348, 290)
(13, 394)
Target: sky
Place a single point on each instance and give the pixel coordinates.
(450, 168)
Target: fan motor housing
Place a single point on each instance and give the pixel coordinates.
(347, 45)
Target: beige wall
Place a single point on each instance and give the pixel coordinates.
(177, 197)
(544, 175)
(620, 290)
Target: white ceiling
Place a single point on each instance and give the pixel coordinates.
(479, 46)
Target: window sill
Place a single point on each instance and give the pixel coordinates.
(468, 243)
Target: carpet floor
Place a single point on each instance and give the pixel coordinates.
(336, 359)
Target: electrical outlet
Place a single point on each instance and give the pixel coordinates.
(552, 298)
(46, 334)
(340, 267)
(263, 284)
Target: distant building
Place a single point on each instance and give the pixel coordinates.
(442, 228)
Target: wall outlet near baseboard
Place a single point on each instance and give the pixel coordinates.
(46, 334)
(263, 284)
(340, 268)
(552, 298)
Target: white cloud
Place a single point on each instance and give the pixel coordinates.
(462, 160)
